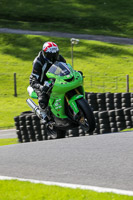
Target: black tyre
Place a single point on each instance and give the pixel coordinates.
(128, 123)
(117, 95)
(120, 125)
(109, 95)
(111, 113)
(119, 112)
(102, 107)
(108, 100)
(113, 125)
(125, 105)
(104, 121)
(18, 132)
(36, 128)
(120, 118)
(86, 117)
(28, 123)
(112, 119)
(16, 119)
(125, 95)
(114, 130)
(131, 100)
(26, 113)
(103, 114)
(104, 126)
(127, 111)
(127, 118)
(22, 123)
(101, 96)
(36, 123)
(29, 128)
(116, 100)
(22, 118)
(61, 133)
(104, 130)
(117, 106)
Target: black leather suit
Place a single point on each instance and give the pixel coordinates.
(38, 77)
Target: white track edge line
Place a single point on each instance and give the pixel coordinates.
(74, 186)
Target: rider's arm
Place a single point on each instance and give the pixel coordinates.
(35, 75)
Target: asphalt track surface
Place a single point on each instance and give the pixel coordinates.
(11, 133)
(99, 160)
(103, 38)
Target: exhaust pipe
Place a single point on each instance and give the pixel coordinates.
(34, 107)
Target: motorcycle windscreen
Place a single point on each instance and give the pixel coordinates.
(60, 69)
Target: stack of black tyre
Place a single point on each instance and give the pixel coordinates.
(109, 101)
(104, 122)
(29, 128)
(113, 112)
(92, 100)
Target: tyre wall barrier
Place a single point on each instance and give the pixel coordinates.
(109, 101)
(113, 112)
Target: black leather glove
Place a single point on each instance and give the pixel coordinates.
(46, 87)
(43, 88)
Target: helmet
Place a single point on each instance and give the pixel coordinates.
(50, 51)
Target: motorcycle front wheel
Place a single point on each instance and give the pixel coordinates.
(85, 116)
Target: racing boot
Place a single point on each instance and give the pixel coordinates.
(43, 114)
(52, 134)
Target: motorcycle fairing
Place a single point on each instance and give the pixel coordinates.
(73, 104)
(59, 103)
(32, 93)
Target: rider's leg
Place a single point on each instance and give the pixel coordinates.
(43, 99)
(43, 103)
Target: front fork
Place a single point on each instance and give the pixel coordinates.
(73, 104)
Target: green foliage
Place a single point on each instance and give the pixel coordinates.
(102, 64)
(12, 190)
(106, 17)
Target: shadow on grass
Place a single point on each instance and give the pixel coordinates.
(111, 16)
(26, 47)
(93, 50)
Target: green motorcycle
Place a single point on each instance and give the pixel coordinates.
(67, 106)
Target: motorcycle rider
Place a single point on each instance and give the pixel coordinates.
(38, 79)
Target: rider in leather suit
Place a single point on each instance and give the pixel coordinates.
(38, 80)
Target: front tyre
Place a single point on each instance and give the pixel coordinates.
(86, 118)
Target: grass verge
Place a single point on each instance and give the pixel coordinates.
(13, 189)
(8, 141)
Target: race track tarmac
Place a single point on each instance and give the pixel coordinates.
(99, 160)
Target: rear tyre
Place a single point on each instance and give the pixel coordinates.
(87, 120)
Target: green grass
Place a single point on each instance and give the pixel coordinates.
(12, 190)
(106, 17)
(8, 141)
(104, 65)
(128, 129)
